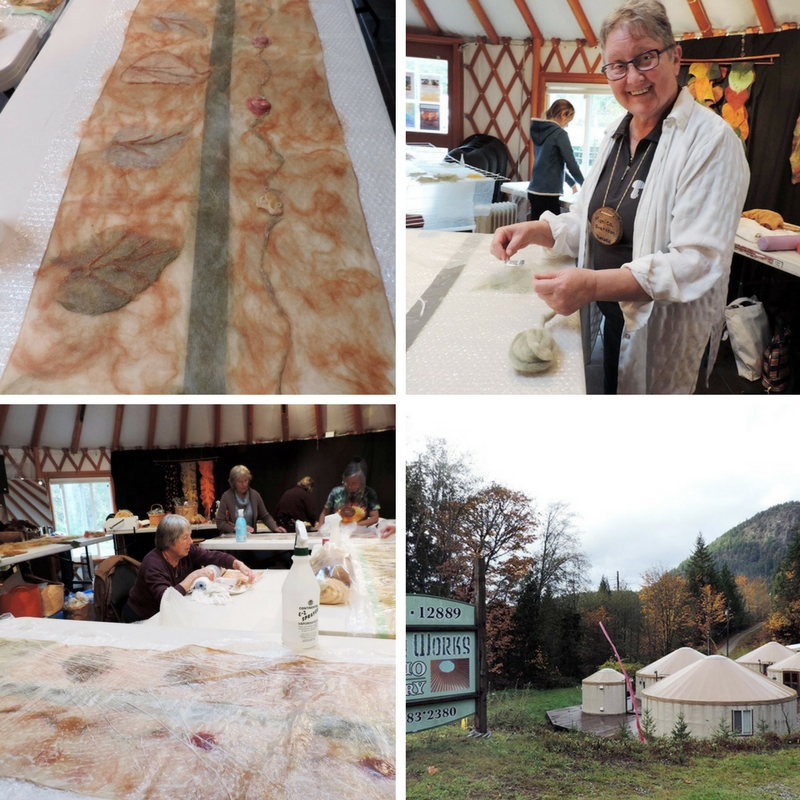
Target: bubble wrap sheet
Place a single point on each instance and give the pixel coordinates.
(353, 89)
(372, 607)
(463, 348)
(101, 710)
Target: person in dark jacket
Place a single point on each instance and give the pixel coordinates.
(296, 503)
(174, 562)
(552, 151)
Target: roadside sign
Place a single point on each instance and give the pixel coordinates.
(420, 718)
(441, 661)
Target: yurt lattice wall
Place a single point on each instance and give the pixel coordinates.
(499, 96)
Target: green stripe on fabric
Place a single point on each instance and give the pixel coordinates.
(206, 355)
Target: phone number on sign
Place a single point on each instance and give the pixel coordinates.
(431, 714)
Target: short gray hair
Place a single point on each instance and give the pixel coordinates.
(170, 529)
(644, 17)
(237, 472)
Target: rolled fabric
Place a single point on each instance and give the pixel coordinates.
(786, 242)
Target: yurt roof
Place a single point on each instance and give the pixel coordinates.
(768, 653)
(128, 426)
(716, 680)
(672, 662)
(791, 664)
(570, 20)
(604, 676)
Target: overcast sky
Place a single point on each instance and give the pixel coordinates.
(645, 475)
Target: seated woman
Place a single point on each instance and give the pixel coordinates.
(175, 562)
(241, 496)
(353, 492)
(296, 503)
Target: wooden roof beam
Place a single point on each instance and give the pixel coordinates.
(701, 18)
(764, 15)
(184, 434)
(77, 428)
(3, 416)
(358, 419)
(284, 422)
(151, 427)
(491, 33)
(41, 413)
(536, 34)
(427, 17)
(250, 423)
(217, 425)
(318, 422)
(117, 426)
(588, 33)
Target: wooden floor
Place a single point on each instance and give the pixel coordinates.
(572, 718)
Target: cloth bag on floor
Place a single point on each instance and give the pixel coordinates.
(749, 330)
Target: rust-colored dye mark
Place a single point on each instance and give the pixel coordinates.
(163, 67)
(203, 740)
(377, 766)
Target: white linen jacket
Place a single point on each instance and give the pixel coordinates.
(682, 246)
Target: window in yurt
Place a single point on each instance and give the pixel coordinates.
(792, 680)
(742, 722)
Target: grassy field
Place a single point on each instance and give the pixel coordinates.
(525, 759)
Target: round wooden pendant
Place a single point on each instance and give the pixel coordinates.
(606, 225)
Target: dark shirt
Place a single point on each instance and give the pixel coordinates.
(156, 575)
(296, 503)
(613, 256)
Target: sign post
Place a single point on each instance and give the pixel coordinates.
(445, 672)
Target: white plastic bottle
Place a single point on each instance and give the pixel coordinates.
(241, 527)
(300, 598)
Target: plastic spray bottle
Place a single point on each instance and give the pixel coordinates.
(300, 598)
(241, 527)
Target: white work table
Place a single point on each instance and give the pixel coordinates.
(37, 552)
(256, 541)
(784, 260)
(259, 607)
(463, 345)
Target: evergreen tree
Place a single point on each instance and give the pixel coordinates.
(734, 601)
(700, 570)
(604, 587)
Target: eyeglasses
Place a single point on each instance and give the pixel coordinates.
(644, 62)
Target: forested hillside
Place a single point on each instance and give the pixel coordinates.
(755, 547)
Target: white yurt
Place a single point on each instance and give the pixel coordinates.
(762, 657)
(786, 672)
(604, 692)
(714, 690)
(665, 666)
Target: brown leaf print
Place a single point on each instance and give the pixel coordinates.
(133, 146)
(112, 270)
(162, 67)
(178, 22)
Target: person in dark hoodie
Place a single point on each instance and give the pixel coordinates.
(552, 151)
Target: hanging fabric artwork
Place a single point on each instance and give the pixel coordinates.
(724, 90)
(172, 485)
(189, 482)
(794, 158)
(206, 485)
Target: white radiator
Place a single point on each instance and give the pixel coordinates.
(499, 214)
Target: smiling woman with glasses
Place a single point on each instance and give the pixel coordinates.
(653, 227)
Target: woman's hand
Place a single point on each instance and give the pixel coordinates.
(567, 290)
(244, 569)
(279, 529)
(203, 572)
(511, 238)
(250, 529)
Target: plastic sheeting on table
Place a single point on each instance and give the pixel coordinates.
(373, 606)
(463, 348)
(355, 95)
(190, 721)
(446, 194)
